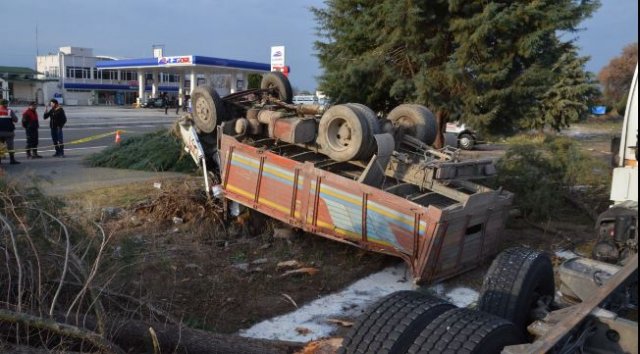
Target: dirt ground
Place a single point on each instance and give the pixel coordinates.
(223, 277)
(210, 276)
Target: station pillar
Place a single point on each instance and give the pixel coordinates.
(140, 88)
(193, 79)
(154, 84)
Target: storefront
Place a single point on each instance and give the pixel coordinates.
(81, 78)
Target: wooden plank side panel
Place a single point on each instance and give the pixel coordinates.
(436, 243)
(394, 224)
(477, 231)
(263, 181)
(348, 208)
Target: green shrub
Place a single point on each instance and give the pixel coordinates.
(157, 151)
(543, 172)
(621, 106)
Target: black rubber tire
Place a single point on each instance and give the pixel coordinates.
(391, 325)
(516, 280)
(276, 80)
(466, 141)
(466, 331)
(370, 117)
(416, 121)
(344, 134)
(208, 109)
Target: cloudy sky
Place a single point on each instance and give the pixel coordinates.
(233, 29)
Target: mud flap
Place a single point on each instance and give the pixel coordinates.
(374, 174)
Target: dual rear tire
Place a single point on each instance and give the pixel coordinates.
(346, 132)
(518, 281)
(411, 322)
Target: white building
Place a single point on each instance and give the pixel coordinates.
(82, 78)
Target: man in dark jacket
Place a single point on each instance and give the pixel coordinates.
(8, 119)
(31, 125)
(58, 120)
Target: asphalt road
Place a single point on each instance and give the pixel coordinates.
(62, 175)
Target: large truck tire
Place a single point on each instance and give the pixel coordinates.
(516, 280)
(391, 325)
(369, 115)
(344, 134)
(465, 331)
(374, 126)
(416, 121)
(208, 109)
(276, 81)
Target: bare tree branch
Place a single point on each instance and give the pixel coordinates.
(59, 328)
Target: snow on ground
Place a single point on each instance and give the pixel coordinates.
(566, 254)
(459, 296)
(310, 321)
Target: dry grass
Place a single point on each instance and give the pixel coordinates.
(194, 269)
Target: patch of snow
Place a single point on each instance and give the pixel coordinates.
(350, 302)
(462, 297)
(566, 254)
(310, 321)
(459, 296)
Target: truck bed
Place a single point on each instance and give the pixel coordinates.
(440, 229)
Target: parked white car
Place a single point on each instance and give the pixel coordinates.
(459, 135)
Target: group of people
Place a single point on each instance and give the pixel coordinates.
(8, 119)
(171, 101)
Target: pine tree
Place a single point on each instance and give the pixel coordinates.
(492, 64)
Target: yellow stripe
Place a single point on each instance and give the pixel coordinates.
(329, 190)
(401, 218)
(74, 142)
(297, 214)
(351, 233)
(261, 200)
(267, 167)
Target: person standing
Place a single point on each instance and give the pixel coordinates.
(8, 119)
(58, 120)
(178, 103)
(185, 106)
(165, 102)
(31, 125)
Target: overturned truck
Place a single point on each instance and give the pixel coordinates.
(347, 174)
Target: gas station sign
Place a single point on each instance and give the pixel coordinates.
(175, 61)
(277, 58)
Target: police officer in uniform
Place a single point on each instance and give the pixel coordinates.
(8, 119)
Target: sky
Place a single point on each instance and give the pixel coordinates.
(230, 29)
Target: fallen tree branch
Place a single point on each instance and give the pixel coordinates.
(60, 329)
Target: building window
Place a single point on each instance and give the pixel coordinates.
(52, 71)
(164, 77)
(78, 72)
(129, 76)
(105, 74)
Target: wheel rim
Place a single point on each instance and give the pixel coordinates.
(465, 141)
(203, 113)
(339, 135)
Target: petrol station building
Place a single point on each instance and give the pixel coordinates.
(77, 77)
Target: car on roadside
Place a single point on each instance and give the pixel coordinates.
(461, 136)
(155, 103)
